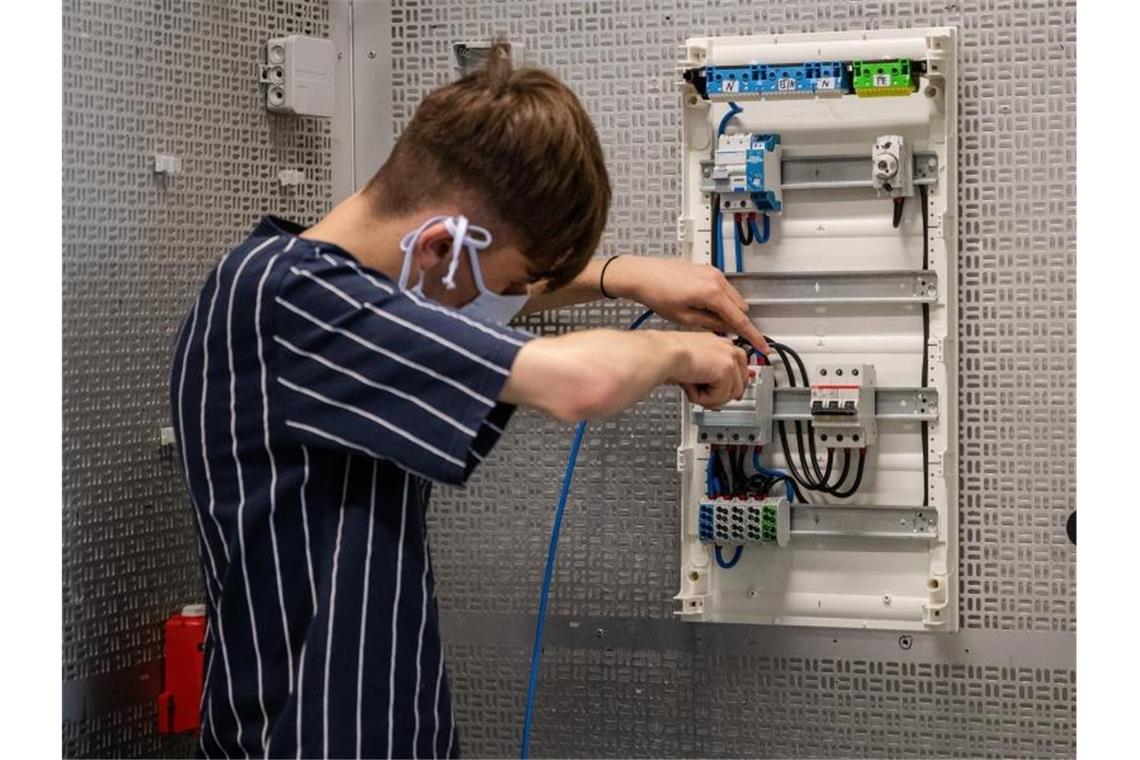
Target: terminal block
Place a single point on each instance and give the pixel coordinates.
(746, 422)
(746, 173)
(824, 79)
(892, 166)
(734, 82)
(753, 81)
(732, 522)
(884, 78)
(843, 406)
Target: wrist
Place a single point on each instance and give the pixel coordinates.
(617, 280)
(675, 355)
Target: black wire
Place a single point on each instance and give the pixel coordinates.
(896, 220)
(858, 475)
(807, 453)
(925, 350)
(843, 472)
(743, 231)
(803, 479)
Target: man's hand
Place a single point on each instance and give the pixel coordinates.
(694, 295)
(717, 371)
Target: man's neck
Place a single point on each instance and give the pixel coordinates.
(374, 241)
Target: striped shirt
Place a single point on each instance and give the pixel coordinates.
(314, 403)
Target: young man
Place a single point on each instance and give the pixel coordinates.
(324, 377)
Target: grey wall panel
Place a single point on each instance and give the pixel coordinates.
(141, 78)
(619, 551)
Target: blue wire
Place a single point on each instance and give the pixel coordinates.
(548, 573)
(736, 245)
(718, 245)
(712, 480)
(789, 486)
(733, 109)
(718, 241)
(756, 236)
(730, 563)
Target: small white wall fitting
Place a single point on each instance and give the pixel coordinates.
(167, 164)
(471, 56)
(892, 166)
(299, 75)
(291, 177)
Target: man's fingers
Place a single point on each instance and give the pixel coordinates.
(735, 296)
(739, 322)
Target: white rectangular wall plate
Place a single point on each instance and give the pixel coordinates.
(844, 285)
(299, 73)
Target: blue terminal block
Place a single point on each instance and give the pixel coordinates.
(754, 81)
(734, 82)
(824, 79)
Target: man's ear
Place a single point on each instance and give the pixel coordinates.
(433, 247)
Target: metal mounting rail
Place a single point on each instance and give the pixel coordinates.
(821, 172)
(863, 522)
(836, 172)
(893, 286)
(736, 422)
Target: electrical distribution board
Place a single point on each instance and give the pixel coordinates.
(820, 173)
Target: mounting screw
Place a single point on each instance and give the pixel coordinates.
(600, 632)
(905, 642)
(371, 53)
(886, 600)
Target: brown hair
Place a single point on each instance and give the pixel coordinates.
(516, 144)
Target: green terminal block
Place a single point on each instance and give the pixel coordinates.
(873, 79)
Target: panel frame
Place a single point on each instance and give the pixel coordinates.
(821, 582)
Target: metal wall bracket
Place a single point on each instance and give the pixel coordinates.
(894, 286)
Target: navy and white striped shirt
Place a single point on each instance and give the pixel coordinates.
(314, 403)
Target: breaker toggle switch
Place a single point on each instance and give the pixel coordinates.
(843, 406)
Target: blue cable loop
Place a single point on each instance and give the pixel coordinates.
(548, 573)
(789, 487)
(733, 109)
(720, 561)
(756, 236)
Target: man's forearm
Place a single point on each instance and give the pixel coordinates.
(593, 373)
(586, 287)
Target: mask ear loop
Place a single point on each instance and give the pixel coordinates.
(407, 243)
(478, 239)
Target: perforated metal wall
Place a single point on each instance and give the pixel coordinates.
(620, 678)
(141, 78)
(841, 695)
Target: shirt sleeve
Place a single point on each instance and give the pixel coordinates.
(366, 368)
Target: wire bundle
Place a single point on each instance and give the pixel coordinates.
(808, 475)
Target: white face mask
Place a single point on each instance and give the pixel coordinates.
(493, 307)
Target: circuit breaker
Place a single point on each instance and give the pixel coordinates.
(820, 173)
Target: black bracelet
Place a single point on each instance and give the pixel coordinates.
(602, 277)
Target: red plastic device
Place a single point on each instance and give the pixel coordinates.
(182, 671)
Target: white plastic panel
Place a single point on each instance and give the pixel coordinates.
(853, 579)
